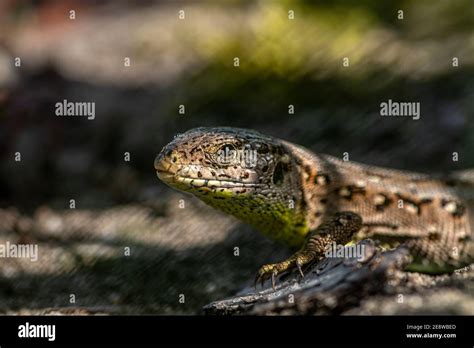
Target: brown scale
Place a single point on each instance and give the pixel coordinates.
(455, 208)
(348, 192)
(322, 179)
(381, 202)
(417, 204)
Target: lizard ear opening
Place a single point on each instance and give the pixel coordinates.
(279, 173)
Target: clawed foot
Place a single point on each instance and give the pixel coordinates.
(338, 229)
(298, 260)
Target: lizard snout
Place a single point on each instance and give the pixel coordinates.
(161, 163)
(165, 164)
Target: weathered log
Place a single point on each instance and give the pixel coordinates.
(329, 286)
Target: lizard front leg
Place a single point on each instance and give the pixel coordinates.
(338, 229)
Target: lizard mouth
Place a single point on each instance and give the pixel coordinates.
(174, 176)
(211, 183)
(165, 170)
(188, 182)
(190, 177)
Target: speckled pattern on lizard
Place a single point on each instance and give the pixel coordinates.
(309, 201)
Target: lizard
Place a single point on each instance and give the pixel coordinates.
(308, 201)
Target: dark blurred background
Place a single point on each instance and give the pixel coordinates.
(190, 61)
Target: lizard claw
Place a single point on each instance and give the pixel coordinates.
(274, 274)
(265, 272)
(299, 264)
(272, 271)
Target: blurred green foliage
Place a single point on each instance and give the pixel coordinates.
(299, 62)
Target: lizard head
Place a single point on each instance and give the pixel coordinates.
(238, 171)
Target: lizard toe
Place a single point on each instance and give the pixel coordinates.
(303, 259)
(264, 273)
(272, 271)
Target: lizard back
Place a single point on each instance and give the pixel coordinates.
(394, 205)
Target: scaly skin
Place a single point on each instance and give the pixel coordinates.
(309, 200)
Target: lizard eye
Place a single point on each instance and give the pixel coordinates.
(226, 148)
(226, 154)
(279, 173)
